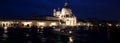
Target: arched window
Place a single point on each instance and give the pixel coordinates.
(22, 25)
(3, 25)
(28, 25)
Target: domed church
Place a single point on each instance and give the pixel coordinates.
(61, 17)
(65, 15)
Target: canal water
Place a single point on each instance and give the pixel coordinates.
(49, 35)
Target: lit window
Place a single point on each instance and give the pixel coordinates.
(27, 24)
(41, 24)
(53, 24)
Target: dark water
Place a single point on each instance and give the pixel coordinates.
(48, 35)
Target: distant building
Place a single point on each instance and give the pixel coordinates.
(63, 17)
(27, 23)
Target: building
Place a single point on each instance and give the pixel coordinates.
(61, 17)
(65, 16)
(28, 23)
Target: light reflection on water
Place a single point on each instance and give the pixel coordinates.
(70, 40)
(79, 35)
(5, 29)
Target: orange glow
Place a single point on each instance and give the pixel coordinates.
(53, 24)
(41, 24)
(26, 23)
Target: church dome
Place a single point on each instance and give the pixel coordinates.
(66, 10)
(66, 6)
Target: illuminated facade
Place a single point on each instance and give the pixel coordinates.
(28, 23)
(66, 15)
(62, 17)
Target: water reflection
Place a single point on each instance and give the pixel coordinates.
(5, 29)
(70, 40)
(51, 35)
(27, 35)
(29, 42)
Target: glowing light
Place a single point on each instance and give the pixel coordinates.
(5, 28)
(78, 24)
(70, 40)
(70, 21)
(62, 30)
(42, 27)
(70, 32)
(53, 24)
(117, 25)
(6, 23)
(41, 24)
(88, 24)
(26, 23)
(57, 30)
(84, 24)
(91, 25)
(109, 24)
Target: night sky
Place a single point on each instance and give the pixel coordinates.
(101, 9)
